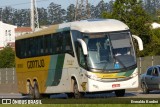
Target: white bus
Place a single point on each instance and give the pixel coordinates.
(78, 57)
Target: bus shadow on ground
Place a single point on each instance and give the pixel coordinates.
(104, 95)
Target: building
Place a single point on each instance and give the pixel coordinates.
(22, 30)
(7, 34)
(155, 25)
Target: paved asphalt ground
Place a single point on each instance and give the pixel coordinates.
(129, 94)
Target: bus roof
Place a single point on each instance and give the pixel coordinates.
(86, 26)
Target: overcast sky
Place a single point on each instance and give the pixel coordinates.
(19, 4)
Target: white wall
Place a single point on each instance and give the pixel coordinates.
(7, 34)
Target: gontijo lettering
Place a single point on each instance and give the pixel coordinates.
(35, 64)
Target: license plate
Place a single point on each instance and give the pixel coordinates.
(115, 85)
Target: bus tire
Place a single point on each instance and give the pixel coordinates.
(145, 89)
(120, 93)
(36, 91)
(76, 92)
(23, 94)
(46, 96)
(70, 95)
(30, 90)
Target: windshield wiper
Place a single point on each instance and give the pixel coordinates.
(120, 62)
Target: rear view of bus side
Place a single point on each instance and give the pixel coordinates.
(76, 58)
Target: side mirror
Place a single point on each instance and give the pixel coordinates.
(84, 46)
(139, 40)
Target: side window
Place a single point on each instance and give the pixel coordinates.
(47, 44)
(59, 43)
(33, 49)
(67, 43)
(38, 46)
(25, 48)
(155, 72)
(41, 46)
(18, 48)
(53, 43)
(56, 43)
(81, 57)
(22, 48)
(30, 46)
(149, 71)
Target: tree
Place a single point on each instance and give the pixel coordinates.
(92, 11)
(7, 15)
(55, 13)
(132, 13)
(154, 46)
(106, 15)
(7, 58)
(100, 8)
(158, 15)
(42, 14)
(151, 6)
(70, 13)
(21, 17)
(1, 12)
(110, 6)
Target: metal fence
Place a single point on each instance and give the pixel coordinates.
(8, 79)
(145, 62)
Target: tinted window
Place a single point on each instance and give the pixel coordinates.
(159, 69)
(81, 57)
(56, 43)
(155, 72)
(149, 71)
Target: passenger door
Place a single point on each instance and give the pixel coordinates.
(83, 66)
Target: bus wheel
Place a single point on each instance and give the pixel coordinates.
(30, 90)
(145, 89)
(76, 92)
(46, 96)
(70, 95)
(36, 91)
(23, 94)
(120, 93)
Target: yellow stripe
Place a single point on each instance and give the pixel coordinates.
(108, 75)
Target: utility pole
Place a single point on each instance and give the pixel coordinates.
(82, 10)
(34, 16)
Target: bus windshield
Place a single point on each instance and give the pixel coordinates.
(110, 51)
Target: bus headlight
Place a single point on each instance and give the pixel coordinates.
(93, 76)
